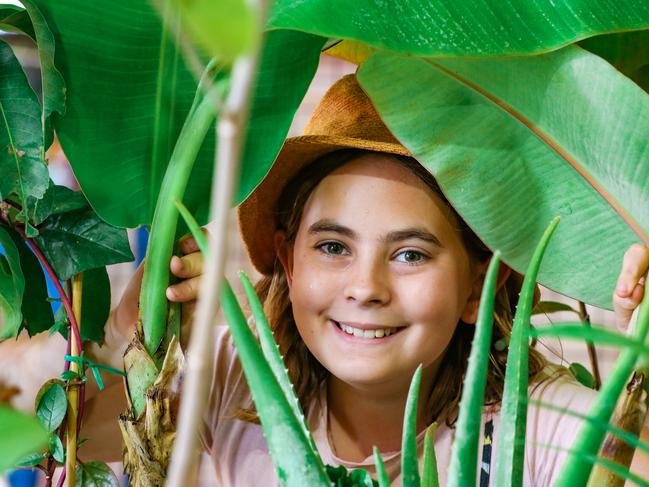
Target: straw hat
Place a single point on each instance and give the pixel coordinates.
(344, 119)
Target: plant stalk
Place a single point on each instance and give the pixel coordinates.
(73, 391)
(230, 135)
(592, 352)
(629, 415)
(153, 301)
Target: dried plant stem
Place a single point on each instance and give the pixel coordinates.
(592, 353)
(230, 131)
(73, 389)
(629, 415)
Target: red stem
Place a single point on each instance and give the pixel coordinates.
(55, 280)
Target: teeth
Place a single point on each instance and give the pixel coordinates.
(380, 333)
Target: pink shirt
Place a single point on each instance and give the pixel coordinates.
(240, 456)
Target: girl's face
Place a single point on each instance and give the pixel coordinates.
(378, 275)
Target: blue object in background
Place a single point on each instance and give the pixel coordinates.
(142, 240)
(23, 478)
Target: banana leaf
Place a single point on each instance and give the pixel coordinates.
(515, 142)
(129, 91)
(477, 28)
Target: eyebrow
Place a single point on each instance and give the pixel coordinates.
(322, 226)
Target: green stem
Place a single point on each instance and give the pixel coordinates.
(153, 302)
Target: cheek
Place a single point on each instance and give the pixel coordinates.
(311, 288)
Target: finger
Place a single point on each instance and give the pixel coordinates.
(187, 244)
(190, 265)
(625, 306)
(634, 267)
(184, 291)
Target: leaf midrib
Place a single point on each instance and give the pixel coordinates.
(572, 161)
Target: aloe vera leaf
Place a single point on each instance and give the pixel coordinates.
(295, 461)
(409, 461)
(384, 480)
(576, 470)
(271, 353)
(464, 453)
(430, 477)
(153, 301)
(595, 334)
(513, 414)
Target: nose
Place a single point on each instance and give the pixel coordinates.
(368, 282)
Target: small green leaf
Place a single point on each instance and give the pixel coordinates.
(360, 477)
(79, 240)
(52, 407)
(95, 474)
(12, 286)
(56, 448)
(547, 307)
(30, 460)
(582, 374)
(71, 375)
(21, 434)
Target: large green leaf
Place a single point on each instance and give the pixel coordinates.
(627, 51)
(479, 28)
(127, 98)
(35, 307)
(129, 95)
(80, 240)
(21, 434)
(515, 142)
(12, 286)
(24, 173)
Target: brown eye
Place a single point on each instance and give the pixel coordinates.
(332, 248)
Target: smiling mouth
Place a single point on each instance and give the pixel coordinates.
(368, 334)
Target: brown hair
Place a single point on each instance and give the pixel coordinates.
(307, 374)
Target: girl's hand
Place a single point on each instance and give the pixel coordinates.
(630, 287)
(189, 267)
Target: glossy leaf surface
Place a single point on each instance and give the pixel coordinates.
(35, 307)
(95, 474)
(12, 286)
(409, 458)
(294, 458)
(469, 28)
(53, 84)
(79, 240)
(464, 451)
(135, 88)
(23, 169)
(52, 406)
(513, 413)
(515, 142)
(21, 434)
(95, 306)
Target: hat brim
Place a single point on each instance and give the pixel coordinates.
(257, 213)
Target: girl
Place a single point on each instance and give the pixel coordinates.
(368, 272)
